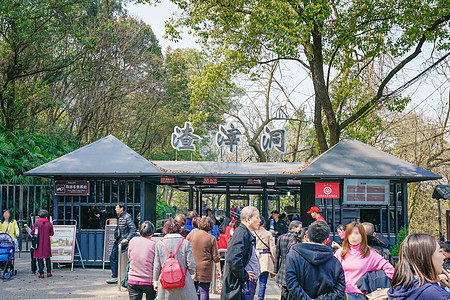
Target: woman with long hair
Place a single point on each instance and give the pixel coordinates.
(357, 258)
(419, 273)
(9, 225)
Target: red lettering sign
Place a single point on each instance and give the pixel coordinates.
(327, 190)
(167, 180)
(209, 180)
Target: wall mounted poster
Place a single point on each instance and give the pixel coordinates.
(63, 243)
(366, 191)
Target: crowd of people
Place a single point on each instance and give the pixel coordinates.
(305, 264)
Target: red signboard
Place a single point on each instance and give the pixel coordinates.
(167, 180)
(209, 180)
(327, 190)
(71, 188)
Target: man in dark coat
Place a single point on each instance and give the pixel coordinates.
(378, 242)
(281, 253)
(312, 270)
(124, 232)
(280, 226)
(238, 256)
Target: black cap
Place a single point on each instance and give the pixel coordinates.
(275, 212)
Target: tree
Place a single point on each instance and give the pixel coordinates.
(38, 40)
(336, 42)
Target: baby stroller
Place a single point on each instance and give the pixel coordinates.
(7, 249)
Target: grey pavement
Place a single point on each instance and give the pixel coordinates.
(79, 284)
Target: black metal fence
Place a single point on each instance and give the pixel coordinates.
(24, 203)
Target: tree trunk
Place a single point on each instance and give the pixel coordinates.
(294, 148)
(261, 154)
(322, 98)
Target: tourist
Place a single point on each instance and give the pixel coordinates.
(357, 259)
(190, 216)
(172, 241)
(43, 251)
(313, 262)
(182, 221)
(265, 249)
(225, 229)
(340, 230)
(299, 238)
(195, 222)
(242, 265)
(378, 242)
(123, 233)
(281, 253)
(33, 260)
(279, 225)
(204, 249)
(9, 225)
(215, 230)
(315, 214)
(376, 236)
(445, 250)
(141, 255)
(209, 213)
(417, 275)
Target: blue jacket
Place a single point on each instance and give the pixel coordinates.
(428, 291)
(313, 271)
(188, 225)
(215, 232)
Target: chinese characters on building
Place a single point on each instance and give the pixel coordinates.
(273, 139)
(228, 137)
(184, 138)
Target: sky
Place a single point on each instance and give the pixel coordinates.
(424, 94)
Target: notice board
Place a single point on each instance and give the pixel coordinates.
(108, 242)
(63, 243)
(366, 191)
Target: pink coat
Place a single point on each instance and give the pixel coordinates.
(45, 231)
(141, 253)
(355, 266)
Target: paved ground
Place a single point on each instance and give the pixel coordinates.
(79, 284)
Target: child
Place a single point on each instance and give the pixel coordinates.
(33, 260)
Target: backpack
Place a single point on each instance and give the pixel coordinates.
(172, 275)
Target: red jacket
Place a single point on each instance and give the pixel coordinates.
(45, 231)
(224, 238)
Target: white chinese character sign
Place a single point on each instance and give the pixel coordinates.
(229, 137)
(184, 138)
(273, 139)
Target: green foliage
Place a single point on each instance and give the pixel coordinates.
(355, 42)
(22, 151)
(402, 234)
(162, 208)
